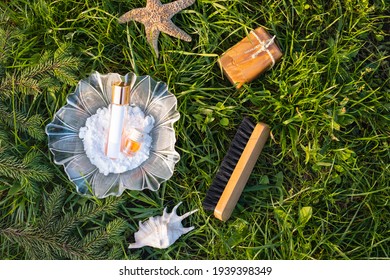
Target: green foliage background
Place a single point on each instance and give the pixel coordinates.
(320, 189)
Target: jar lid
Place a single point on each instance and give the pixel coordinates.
(135, 135)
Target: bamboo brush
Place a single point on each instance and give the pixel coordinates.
(236, 168)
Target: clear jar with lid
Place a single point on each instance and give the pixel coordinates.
(132, 142)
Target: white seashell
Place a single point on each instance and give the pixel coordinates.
(161, 231)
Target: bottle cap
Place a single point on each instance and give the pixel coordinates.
(135, 135)
(120, 93)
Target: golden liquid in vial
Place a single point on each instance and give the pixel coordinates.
(131, 147)
(132, 142)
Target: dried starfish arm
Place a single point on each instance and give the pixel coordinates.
(175, 31)
(137, 15)
(152, 37)
(152, 4)
(157, 17)
(175, 7)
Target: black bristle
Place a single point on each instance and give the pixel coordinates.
(227, 168)
(239, 145)
(228, 164)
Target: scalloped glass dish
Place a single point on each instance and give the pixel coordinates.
(93, 93)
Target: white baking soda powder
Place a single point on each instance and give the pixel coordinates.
(94, 136)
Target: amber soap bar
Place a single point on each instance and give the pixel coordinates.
(250, 57)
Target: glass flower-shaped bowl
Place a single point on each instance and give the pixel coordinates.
(93, 93)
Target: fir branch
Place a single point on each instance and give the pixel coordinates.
(11, 167)
(89, 211)
(52, 209)
(51, 70)
(4, 38)
(60, 65)
(39, 245)
(69, 66)
(14, 168)
(16, 120)
(99, 238)
(24, 85)
(4, 139)
(9, 36)
(40, 240)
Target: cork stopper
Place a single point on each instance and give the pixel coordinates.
(250, 57)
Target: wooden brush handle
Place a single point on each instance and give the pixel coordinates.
(241, 172)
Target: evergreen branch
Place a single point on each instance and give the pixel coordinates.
(9, 35)
(116, 227)
(52, 207)
(87, 212)
(31, 125)
(13, 168)
(95, 241)
(4, 142)
(70, 64)
(4, 138)
(39, 245)
(52, 69)
(40, 240)
(24, 85)
(59, 64)
(98, 238)
(4, 38)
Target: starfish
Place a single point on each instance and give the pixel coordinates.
(157, 18)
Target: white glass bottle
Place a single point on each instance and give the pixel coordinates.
(119, 101)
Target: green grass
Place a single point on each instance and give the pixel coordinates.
(320, 189)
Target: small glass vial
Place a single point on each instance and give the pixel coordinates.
(132, 142)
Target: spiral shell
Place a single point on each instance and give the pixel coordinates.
(161, 231)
